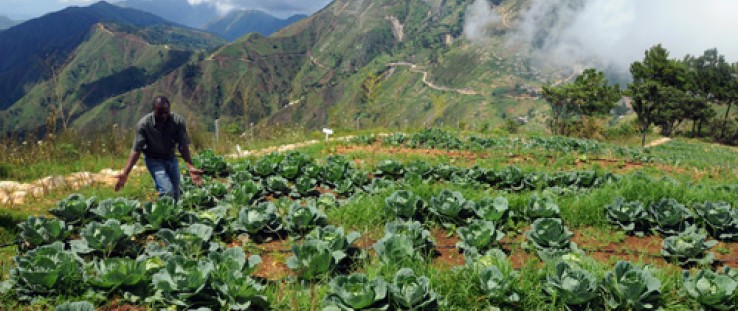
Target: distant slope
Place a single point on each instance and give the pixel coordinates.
(29, 51)
(238, 23)
(178, 11)
(6, 22)
(112, 59)
(315, 72)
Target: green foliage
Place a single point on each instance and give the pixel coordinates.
(127, 275)
(628, 287)
(258, 221)
(324, 251)
(540, 207)
(301, 219)
(550, 238)
(404, 241)
(450, 207)
(37, 231)
(163, 213)
(629, 216)
(712, 290)
(75, 306)
(46, 270)
(404, 204)
(688, 247)
(411, 292)
(121, 209)
(669, 217)
(479, 236)
(104, 237)
(211, 163)
(231, 280)
(180, 281)
(356, 292)
(496, 210)
(498, 284)
(192, 241)
(389, 167)
(571, 284)
(75, 209)
(720, 219)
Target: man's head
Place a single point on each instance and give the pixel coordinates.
(160, 106)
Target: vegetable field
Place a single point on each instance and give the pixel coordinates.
(426, 221)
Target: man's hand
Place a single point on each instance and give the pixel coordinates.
(122, 178)
(196, 175)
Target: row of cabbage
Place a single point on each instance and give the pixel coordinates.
(685, 230)
(439, 139)
(297, 175)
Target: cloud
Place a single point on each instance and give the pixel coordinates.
(279, 8)
(610, 35)
(478, 18)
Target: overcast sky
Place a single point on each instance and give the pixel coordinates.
(25, 9)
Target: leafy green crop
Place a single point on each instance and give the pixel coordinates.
(631, 288)
(301, 219)
(479, 235)
(356, 292)
(180, 281)
(231, 280)
(259, 221)
(630, 216)
(211, 163)
(163, 213)
(540, 207)
(496, 210)
(550, 238)
(313, 259)
(125, 274)
(104, 237)
(244, 193)
(75, 209)
(37, 231)
(669, 217)
(46, 270)
(192, 241)
(121, 209)
(720, 219)
(571, 284)
(712, 290)
(688, 247)
(389, 167)
(411, 292)
(404, 204)
(498, 284)
(404, 241)
(450, 207)
(277, 185)
(75, 306)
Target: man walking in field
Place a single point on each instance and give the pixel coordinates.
(157, 134)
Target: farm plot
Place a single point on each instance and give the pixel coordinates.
(286, 231)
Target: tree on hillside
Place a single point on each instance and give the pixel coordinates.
(657, 84)
(590, 95)
(715, 80)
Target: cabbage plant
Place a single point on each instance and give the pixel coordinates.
(669, 217)
(720, 219)
(277, 185)
(550, 238)
(498, 284)
(411, 292)
(197, 198)
(268, 164)
(714, 291)
(180, 281)
(192, 241)
(231, 280)
(356, 292)
(259, 221)
(479, 235)
(301, 219)
(163, 213)
(404, 204)
(129, 276)
(450, 207)
(44, 271)
(389, 167)
(37, 231)
(571, 284)
(688, 247)
(496, 210)
(629, 287)
(314, 259)
(104, 238)
(244, 193)
(75, 306)
(540, 207)
(117, 208)
(404, 241)
(629, 216)
(75, 209)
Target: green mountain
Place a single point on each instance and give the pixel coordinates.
(319, 72)
(383, 62)
(112, 58)
(240, 22)
(6, 22)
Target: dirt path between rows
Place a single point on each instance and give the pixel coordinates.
(417, 69)
(658, 142)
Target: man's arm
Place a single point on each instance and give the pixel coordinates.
(123, 177)
(195, 173)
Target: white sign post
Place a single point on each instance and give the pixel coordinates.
(328, 132)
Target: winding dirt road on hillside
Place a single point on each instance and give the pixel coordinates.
(417, 69)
